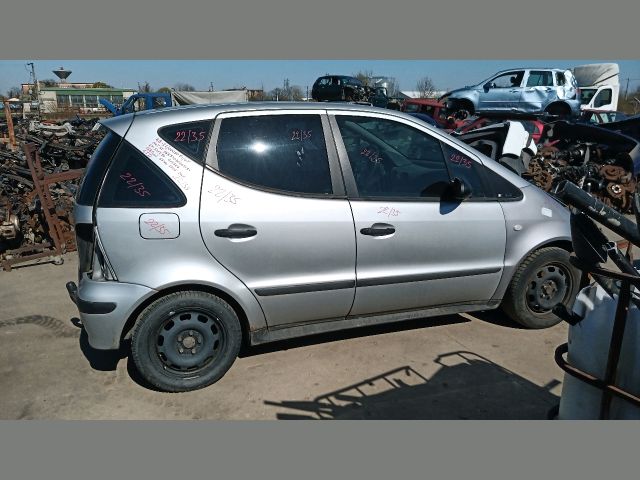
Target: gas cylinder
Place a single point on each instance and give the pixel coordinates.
(589, 350)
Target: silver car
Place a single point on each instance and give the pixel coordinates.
(200, 228)
(524, 90)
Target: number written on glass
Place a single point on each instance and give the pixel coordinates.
(137, 186)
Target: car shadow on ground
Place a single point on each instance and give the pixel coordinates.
(497, 317)
(465, 386)
(359, 332)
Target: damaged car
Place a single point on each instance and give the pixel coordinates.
(525, 90)
(603, 162)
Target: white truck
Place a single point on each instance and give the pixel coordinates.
(599, 85)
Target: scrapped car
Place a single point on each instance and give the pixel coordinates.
(525, 90)
(598, 117)
(338, 88)
(202, 228)
(433, 108)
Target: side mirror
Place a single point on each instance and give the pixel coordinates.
(488, 86)
(458, 190)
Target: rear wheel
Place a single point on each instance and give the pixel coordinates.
(185, 341)
(558, 109)
(544, 279)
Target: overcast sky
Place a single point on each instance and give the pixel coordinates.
(268, 74)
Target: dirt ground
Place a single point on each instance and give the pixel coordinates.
(477, 366)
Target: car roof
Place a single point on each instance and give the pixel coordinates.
(538, 69)
(186, 113)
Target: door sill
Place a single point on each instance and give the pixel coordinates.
(272, 334)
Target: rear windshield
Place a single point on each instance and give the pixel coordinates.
(97, 168)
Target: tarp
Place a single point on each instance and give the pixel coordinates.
(597, 74)
(193, 98)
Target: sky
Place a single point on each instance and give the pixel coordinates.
(269, 74)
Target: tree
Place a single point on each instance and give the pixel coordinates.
(101, 85)
(144, 87)
(393, 87)
(296, 93)
(164, 90)
(364, 76)
(184, 87)
(14, 92)
(426, 87)
(48, 82)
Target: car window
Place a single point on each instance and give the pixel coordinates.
(540, 78)
(586, 94)
(603, 98)
(508, 80)
(188, 138)
(560, 80)
(501, 188)
(391, 159)
(465, 168)
(281, 152)
(324, 81)
(96, 169)
(135, 181)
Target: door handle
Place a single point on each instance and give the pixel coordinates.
(237, 230)
(378, 230)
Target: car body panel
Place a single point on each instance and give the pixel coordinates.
(523, 96)
(304, 241)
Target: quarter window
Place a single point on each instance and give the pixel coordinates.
(135, 181)
(391, 159)
(188, 138)
(280, 152)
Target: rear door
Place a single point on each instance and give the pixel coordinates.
(539, 91)
(416, 250)
(274, 213)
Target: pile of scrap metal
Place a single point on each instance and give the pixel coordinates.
(38, 180)
(603, 162)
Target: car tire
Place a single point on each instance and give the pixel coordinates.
(544, 279)
(185, 341)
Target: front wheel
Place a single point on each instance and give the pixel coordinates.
(185, 341)
(544, 279)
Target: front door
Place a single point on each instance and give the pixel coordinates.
(415, 248)
(502, 93)
(273, 213)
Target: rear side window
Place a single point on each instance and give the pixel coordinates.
(188, 138)
(280, 152)
(134, 181)
(96, 169)
(540, 78)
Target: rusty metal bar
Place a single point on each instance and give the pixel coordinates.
(41, 183)
(590, 379)
(12, 134)
(615, 346)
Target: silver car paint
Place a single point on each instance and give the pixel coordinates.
(154, 265)
(429, 260)
(520, 98)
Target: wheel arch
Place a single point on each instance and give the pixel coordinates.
(185, 287)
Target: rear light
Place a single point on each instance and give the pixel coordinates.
(100, 267)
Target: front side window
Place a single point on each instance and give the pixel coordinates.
(280, 152)
(465, 168)
(540, 78)
(391, 159)
(508, 80)
(603, 98)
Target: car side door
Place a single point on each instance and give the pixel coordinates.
(415, 248)
(502, 92)
(273, 212)
(539, 91)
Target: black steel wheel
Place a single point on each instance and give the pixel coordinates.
(185, 341)
(544, 279)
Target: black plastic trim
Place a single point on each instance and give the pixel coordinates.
(95, 307)
(306, 288)
(371, 282)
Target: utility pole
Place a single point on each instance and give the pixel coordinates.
(36, 86)
(626, 91)
(211, 86)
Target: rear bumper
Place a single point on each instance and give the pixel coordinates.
(105, 308)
